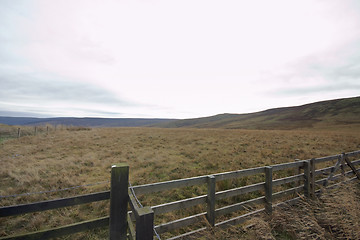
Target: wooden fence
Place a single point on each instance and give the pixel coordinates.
(305, 179)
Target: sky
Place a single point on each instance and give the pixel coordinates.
(174, 58)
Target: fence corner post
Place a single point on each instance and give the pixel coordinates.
(211, 184)
(145, 224)
(119, 201)
(268, 189)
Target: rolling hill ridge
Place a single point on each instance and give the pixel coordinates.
(325, 114)
(84, 122)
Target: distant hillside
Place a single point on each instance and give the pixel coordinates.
(85, 122)
(325, 114)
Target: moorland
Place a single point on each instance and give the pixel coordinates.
(72, 156)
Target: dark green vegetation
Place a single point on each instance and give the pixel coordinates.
(344, 113)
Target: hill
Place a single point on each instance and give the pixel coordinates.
(85, 122)
(325, 114)
(344, 113)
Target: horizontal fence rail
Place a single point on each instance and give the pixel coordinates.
(53, 204)
(306, 180)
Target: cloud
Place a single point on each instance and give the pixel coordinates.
(22, 114)
(25, 88)
(327, 72)
(44, 94)
(166, 58)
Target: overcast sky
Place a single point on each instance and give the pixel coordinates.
(175, 59)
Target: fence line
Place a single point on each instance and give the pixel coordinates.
(54, 190)
(13, 131)
(305, 180)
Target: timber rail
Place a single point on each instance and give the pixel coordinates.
(302, 179)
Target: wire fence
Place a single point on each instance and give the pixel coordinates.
(10, 132)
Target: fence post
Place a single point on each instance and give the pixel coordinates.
(119, 201)
(211, 183)
(297, 172)
(268, 190)
(312, 178)
(307, 178)
(342, 166)
(35, 130)
(145, 224)
(18, 132)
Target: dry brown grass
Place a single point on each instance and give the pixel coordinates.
(334, 215)
(68, 158)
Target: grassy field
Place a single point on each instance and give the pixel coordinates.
(72, 157)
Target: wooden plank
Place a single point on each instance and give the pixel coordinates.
(240, 190)
(353, 154)
(145, 224)
(119, 201)
(356, 162)
(335, 177)
(132, 233)
(283, 166)
(238, 173)
(179, 223)
(352, 167)
(210, 200)
(326, 159)
(180, 204)
(280, 194)
(307, 178)
(312, 178)
(333, 170)
(162, 186)
(323, 171)
(268, 190)
(328, 169)
(133, 204)
(239, 206)
(297, 171)
(185, 235)
(239, 219)
(290, 179)
(291, 202)
(335, 157)
(53, 204)
(62, 231)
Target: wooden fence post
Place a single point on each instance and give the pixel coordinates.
(312, 178)
(352, 166)
(211, 183)
(342, 165)
(119, 201)
(35, 130)
(307, 178)
(297, 172)
(18, 132)
(268, 190)
(145, 224)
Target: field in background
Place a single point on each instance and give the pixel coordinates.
(72, 157)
